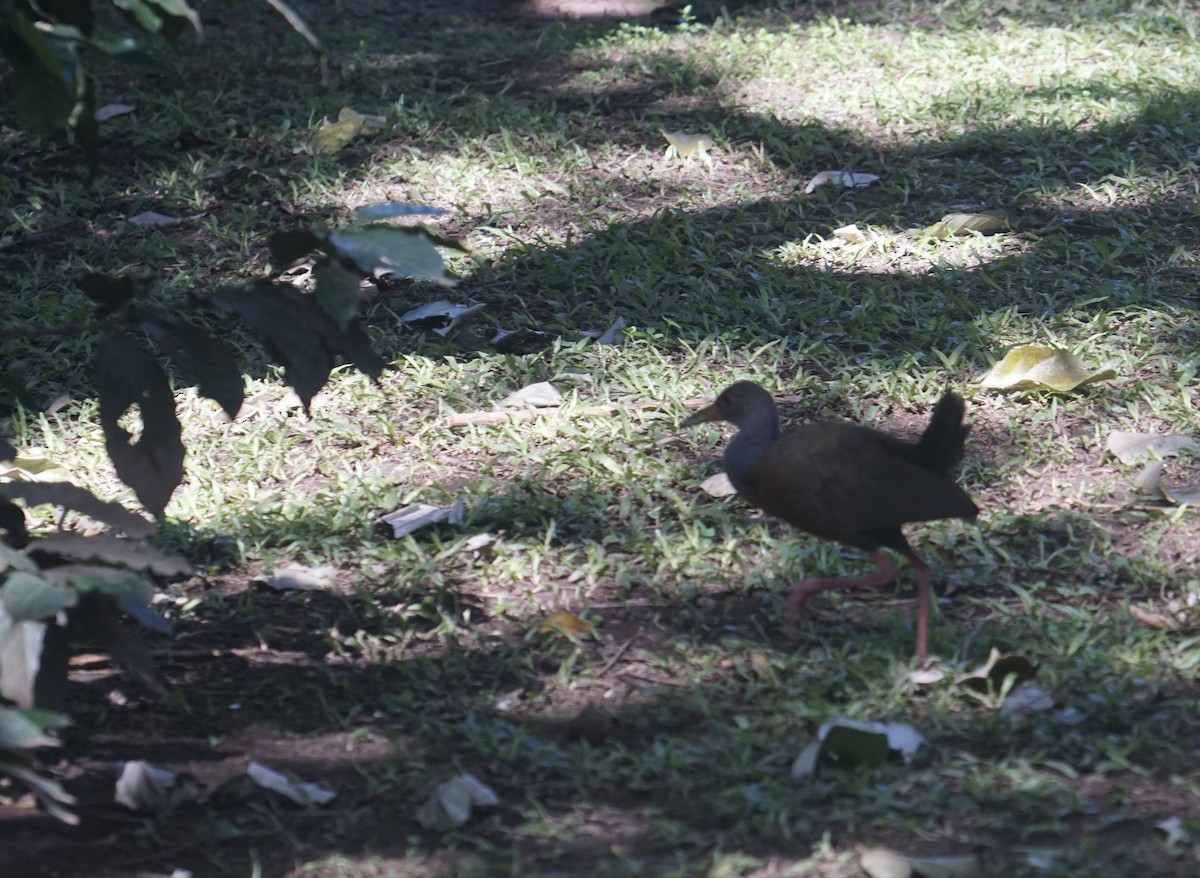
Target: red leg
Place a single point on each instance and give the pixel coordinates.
(923, 575)
(884, 573)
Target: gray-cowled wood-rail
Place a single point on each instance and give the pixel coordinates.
(846, 482)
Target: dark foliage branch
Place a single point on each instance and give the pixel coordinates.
(308, 333)
(47, 43)
(59, 588)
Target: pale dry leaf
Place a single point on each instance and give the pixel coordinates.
(1152, 619)
(298, 577)
(442, 308)
(152, 790)
(410, 518)
(961, 224)
(718, 486)
(300, 792)
(452, 802)
(806, 762)
(1181, 496)
(461, 319)
(848, 179)
(614, 333)
(1131, 448)
(1039, 367)
(928, 675)
(851, 234)
(567, 624)
(687, 145)
(995, 673)
(1174, 830)
(900, 737)
(1149, 479)
(34, 468)
(543, 394)
(112, 111)
(885, 863)
(1027, 699)
(151, 219)
(479, 541)
(332, 136)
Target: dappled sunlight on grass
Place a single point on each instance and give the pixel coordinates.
(662, 743)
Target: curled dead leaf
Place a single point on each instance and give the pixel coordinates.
(1034, 366)
(567, 624)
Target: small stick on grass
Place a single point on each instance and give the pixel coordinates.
(518, 416)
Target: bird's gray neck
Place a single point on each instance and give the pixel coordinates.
(754, 436)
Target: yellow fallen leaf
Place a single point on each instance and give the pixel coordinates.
(567, 624)
(686, 145)
(851, 234)
(1037, 366)
(33, 468)
(1152, 619)
(960, 224)
(332, 136)
(760, 664)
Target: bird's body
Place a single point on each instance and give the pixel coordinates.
(846, 482)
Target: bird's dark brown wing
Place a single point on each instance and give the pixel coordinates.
(843, 481)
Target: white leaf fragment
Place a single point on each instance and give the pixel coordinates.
(1029, 698)
(901, 737)
(718, 486)
(452, 801)
(112, 111)
(297, 791)
(851, 234)
(543, 394)
(297, 577)
(849, 179)
(1131, 448)
(410, 518)
(150, 789)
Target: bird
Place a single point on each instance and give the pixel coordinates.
(846, 482)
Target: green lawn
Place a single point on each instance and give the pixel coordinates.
(543, 139)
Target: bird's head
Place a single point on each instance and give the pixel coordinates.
(740, 404)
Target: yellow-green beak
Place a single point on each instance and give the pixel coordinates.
(708, 413)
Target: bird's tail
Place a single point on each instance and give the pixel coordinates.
(940, 447)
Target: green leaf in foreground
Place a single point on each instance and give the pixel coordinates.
(128, 378)
(208, 361)
(392, 209)
(280, 318)
(299, 333)
(337, 292)
(383, 249)
(20, 660)
(29, 598)
(81, 500)
(45, 73)
(26, 729)
(1032, 366)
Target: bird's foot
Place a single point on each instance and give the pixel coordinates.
(793, 612)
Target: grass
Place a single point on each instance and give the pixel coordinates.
(542, 136)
